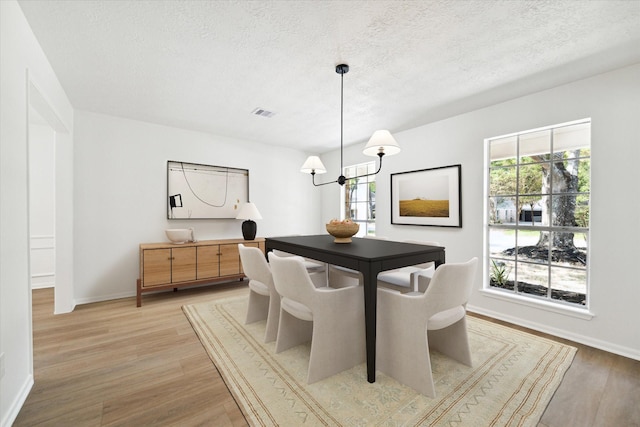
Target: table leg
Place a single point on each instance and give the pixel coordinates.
(370, 302)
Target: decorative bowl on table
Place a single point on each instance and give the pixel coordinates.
(342, 231)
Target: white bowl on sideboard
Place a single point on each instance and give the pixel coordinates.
(179, 235)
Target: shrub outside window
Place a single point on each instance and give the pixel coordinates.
(538, 213)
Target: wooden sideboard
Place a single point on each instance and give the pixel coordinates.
(167, 265)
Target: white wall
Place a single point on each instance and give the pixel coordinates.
(121, 190)
(612, 100)
(42, 204)
(23, 65)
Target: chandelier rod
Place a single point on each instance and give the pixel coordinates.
(378, 150)
(342, 71)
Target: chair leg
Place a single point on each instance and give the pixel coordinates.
(402, 349)
(258, 307)
(414, 283)
(336, 349)
(292, 331)
(271, 331)
(408, 362)
(338, 280)
(452, 341)
(319, 279)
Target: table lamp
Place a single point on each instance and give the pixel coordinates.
(249, 212)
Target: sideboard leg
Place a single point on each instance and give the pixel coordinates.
(138, 293)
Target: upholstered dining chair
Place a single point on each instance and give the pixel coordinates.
(318, 270)
(264, 301)
(408, 326)
(412, 279)
(333, 319)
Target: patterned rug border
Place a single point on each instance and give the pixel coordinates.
(459, 406)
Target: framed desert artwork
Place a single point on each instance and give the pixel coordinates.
(427, 197)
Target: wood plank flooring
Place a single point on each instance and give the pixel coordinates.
(112, 364)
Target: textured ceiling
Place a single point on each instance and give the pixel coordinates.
(206, 65)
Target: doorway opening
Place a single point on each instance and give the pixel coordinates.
(50, 175)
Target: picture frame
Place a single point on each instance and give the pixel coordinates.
(431, 197)
(198, 191)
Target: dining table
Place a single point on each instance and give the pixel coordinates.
(369, 257)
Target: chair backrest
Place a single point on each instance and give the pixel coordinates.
(255, 265)
(281, 254)
(450, 286)
(291, 279)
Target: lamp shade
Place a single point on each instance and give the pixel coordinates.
(248, 211)
(313, 164)
(381, 142)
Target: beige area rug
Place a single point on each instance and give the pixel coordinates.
(513, 377)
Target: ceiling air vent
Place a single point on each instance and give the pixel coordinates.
(263, 113)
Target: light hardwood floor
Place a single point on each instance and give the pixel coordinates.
(112, 364)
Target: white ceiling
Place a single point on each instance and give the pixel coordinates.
(206, 65)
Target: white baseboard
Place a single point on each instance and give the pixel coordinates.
(561, 333)
(101, 298)
(128, 294)
(18, 402)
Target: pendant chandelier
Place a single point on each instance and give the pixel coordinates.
(380, 143)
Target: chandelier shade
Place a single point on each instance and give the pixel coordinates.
(313, 164)
(381, 142)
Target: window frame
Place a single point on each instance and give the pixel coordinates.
(490, 223)
(365, 168)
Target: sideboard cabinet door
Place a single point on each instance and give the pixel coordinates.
(229, 260)
(208, 261)
(183, 264)
(156, 266)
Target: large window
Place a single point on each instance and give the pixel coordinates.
(538, 213)
(359, 197)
